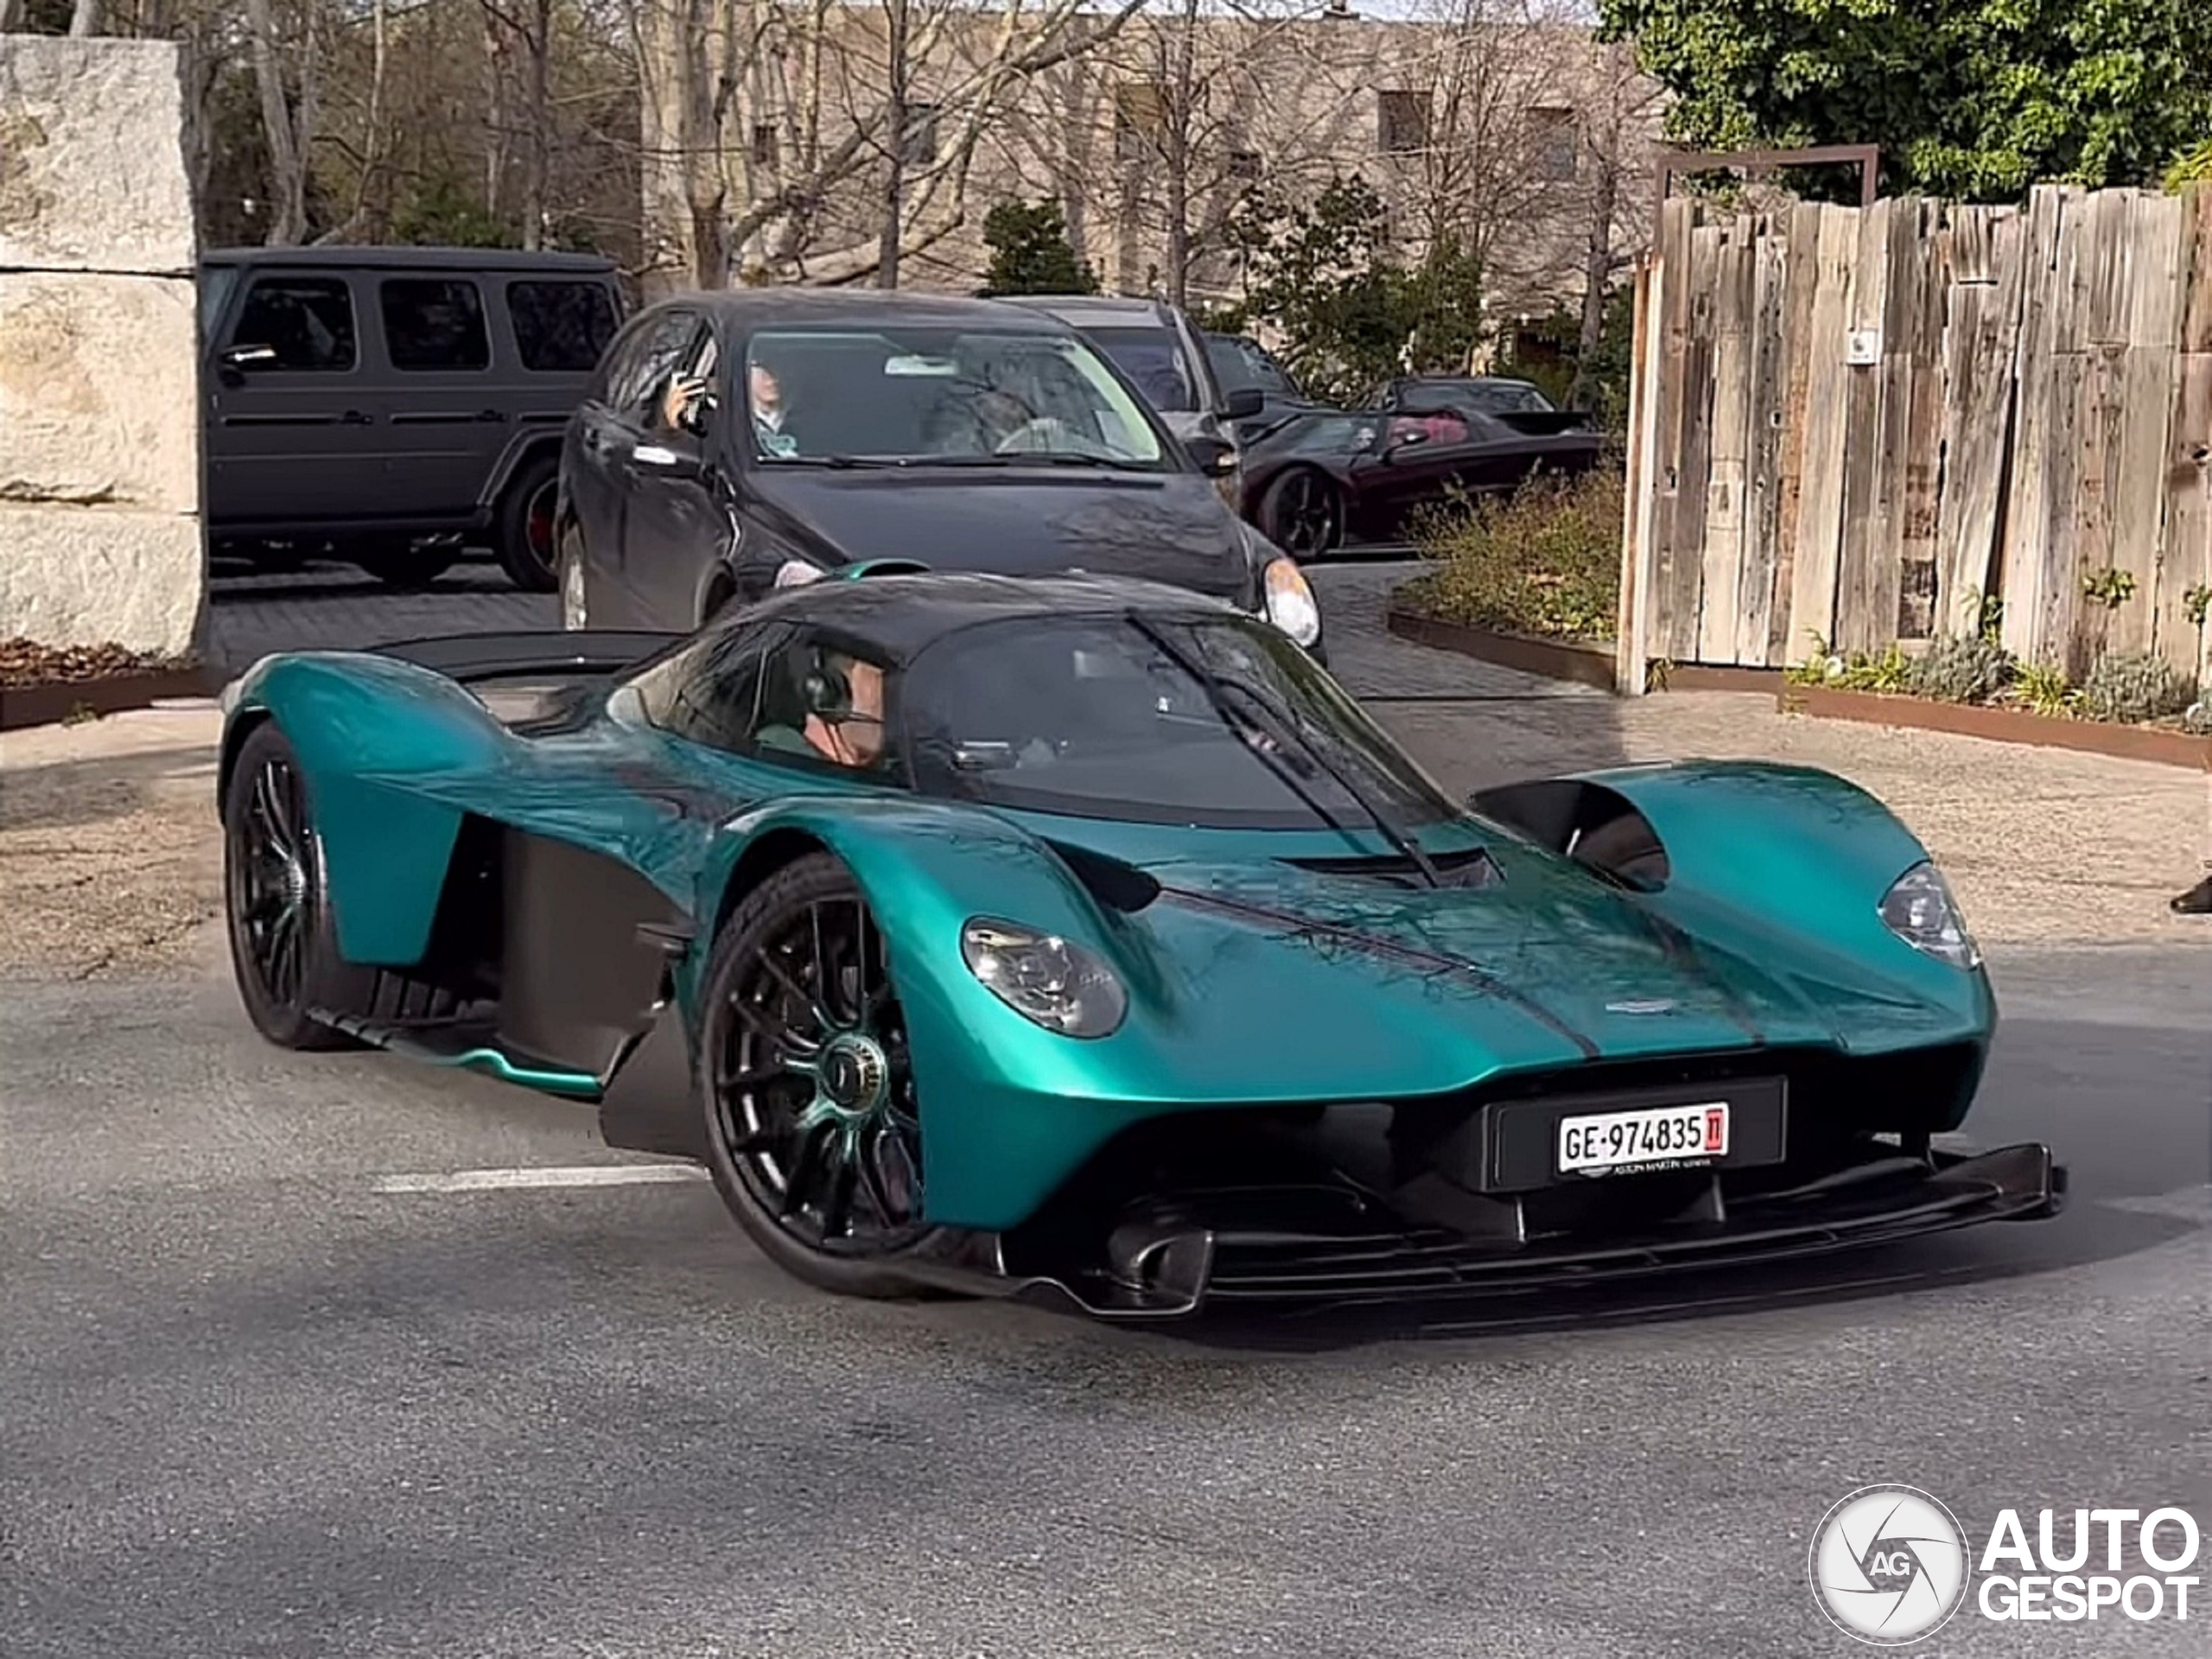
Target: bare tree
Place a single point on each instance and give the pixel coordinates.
(84, 19)
(287, 116)
(1209, 98)
(1621, 110)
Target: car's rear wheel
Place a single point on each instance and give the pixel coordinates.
(814, 1129)
(526, 524)
(283, 941)
(1302, 512)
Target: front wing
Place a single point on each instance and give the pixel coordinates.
(1334, 1243)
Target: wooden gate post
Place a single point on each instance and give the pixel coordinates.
(1631, 626)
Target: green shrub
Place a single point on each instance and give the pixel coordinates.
(1544, 561)
(2136, 686)
(1972, 668)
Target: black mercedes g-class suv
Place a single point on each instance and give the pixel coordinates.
(389, 402)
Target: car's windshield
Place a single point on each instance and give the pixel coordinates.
(1087, 716)
(900, 394)
(1490, 397)
(1323, 435)
(1240, 362)
(1154, 358)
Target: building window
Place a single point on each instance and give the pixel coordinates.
(1140, 119)
(1244, 164)
(1553, 143)
(1402, 121)
(919, 147)
(764, 146)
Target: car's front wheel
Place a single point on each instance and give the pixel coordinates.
(283, 940)
(1302, 512)
(813, 1126)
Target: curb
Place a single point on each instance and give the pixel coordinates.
(1555, 659)
(2152, 744)
(23, 706)
(1585, 662)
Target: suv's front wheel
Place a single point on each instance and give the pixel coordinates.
(526, 525)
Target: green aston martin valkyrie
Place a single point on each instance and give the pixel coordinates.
(1083, 937)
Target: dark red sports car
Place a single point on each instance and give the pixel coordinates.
(1322, 480)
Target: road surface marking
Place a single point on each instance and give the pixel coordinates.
(496, 1180)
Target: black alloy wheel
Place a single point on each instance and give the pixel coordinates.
(814, 1129)
(1302, 512)
(282, 941)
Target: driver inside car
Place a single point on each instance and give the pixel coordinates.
(843, 713)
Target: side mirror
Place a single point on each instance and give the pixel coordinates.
(1216, 457)
(1242, 403)
(670, 461)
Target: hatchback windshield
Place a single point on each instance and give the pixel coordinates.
(899, 395)
(1090, 717)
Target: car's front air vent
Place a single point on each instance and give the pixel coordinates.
(1473, 868)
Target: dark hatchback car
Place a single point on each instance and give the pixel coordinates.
(389, 402)
(735, 442)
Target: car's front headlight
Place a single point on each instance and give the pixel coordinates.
(1919, 909)
(1044, 978)
(1289, 600)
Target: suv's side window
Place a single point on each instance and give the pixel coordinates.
(306, 322)
(561, 327)
(434, 323)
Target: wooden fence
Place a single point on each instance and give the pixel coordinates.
(1851, 425)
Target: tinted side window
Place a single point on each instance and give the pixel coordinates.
(307, 320)
(647, 358)
(561, 327)
(432, 323)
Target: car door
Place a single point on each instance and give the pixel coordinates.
(286, 405)
(599, 473)
(674, 524)
(438, 420)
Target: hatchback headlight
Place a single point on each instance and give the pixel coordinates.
(1290, 601)
(1044, 978)
(1919, 909)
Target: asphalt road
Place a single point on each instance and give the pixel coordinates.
(252, 1402)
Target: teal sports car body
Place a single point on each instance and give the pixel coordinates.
(1082, 937)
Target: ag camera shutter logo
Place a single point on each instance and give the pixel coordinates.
(1888, 1565)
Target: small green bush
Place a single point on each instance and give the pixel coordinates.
(1972, 668)
(1545, 561)
(2136, 686)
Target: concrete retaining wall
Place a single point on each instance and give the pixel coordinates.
(101, 539)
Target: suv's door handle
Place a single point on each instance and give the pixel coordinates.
(356, 417)
(490, 415)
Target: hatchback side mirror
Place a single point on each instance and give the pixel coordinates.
(1242, 403)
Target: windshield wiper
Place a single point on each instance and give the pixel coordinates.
(1217, 691)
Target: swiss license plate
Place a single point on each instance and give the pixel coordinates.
(1652, 1137)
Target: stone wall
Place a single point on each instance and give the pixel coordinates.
(101, 539)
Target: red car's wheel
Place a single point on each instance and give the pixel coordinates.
(1302, 512)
